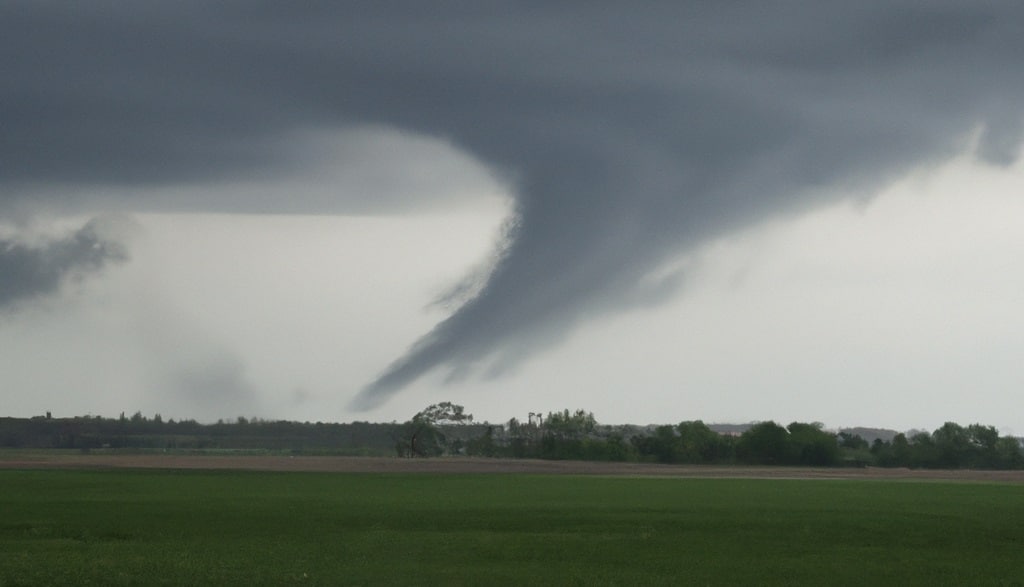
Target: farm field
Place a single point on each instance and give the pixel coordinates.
(192, 527)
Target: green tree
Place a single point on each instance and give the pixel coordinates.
(663, 446)
(483, 446)
(765, 443)
(614, 448)
(953, 447)
(852, 441)
(984, 441)
(923, 451)
(422, 436)
(810, 445)
(565, 435)
(854, 450)
(902, 451)
(564, 425)
(445, 413)
(523, 439)
(700, 444)
(1008, 451)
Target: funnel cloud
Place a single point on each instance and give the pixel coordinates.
(626, 136)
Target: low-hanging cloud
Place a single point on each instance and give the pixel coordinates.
(627, 135)
(30, 270)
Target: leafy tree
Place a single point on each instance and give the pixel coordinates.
(700, 444)
(984, 441)
(923, 451)
(902, 451)
(952, 447)
(564, 425)
(765, 443)
(663, 446)
(852, 441)
(882, 453)
(444, 413)
(522, 439)
(614, 448)
(810, 445)
(483, 446)
(1008, 451)
(565, 435)
(422, 436)
(854, 450)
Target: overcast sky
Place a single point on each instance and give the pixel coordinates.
(342, 212)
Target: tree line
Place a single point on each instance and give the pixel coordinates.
(142, 433)
(446, 429)
(577, 436)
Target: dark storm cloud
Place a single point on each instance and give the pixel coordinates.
(629, 134)
(31, 270)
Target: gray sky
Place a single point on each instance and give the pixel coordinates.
(336, 212)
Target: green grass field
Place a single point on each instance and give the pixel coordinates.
(247, 528)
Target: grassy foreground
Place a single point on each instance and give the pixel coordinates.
(247, 528)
